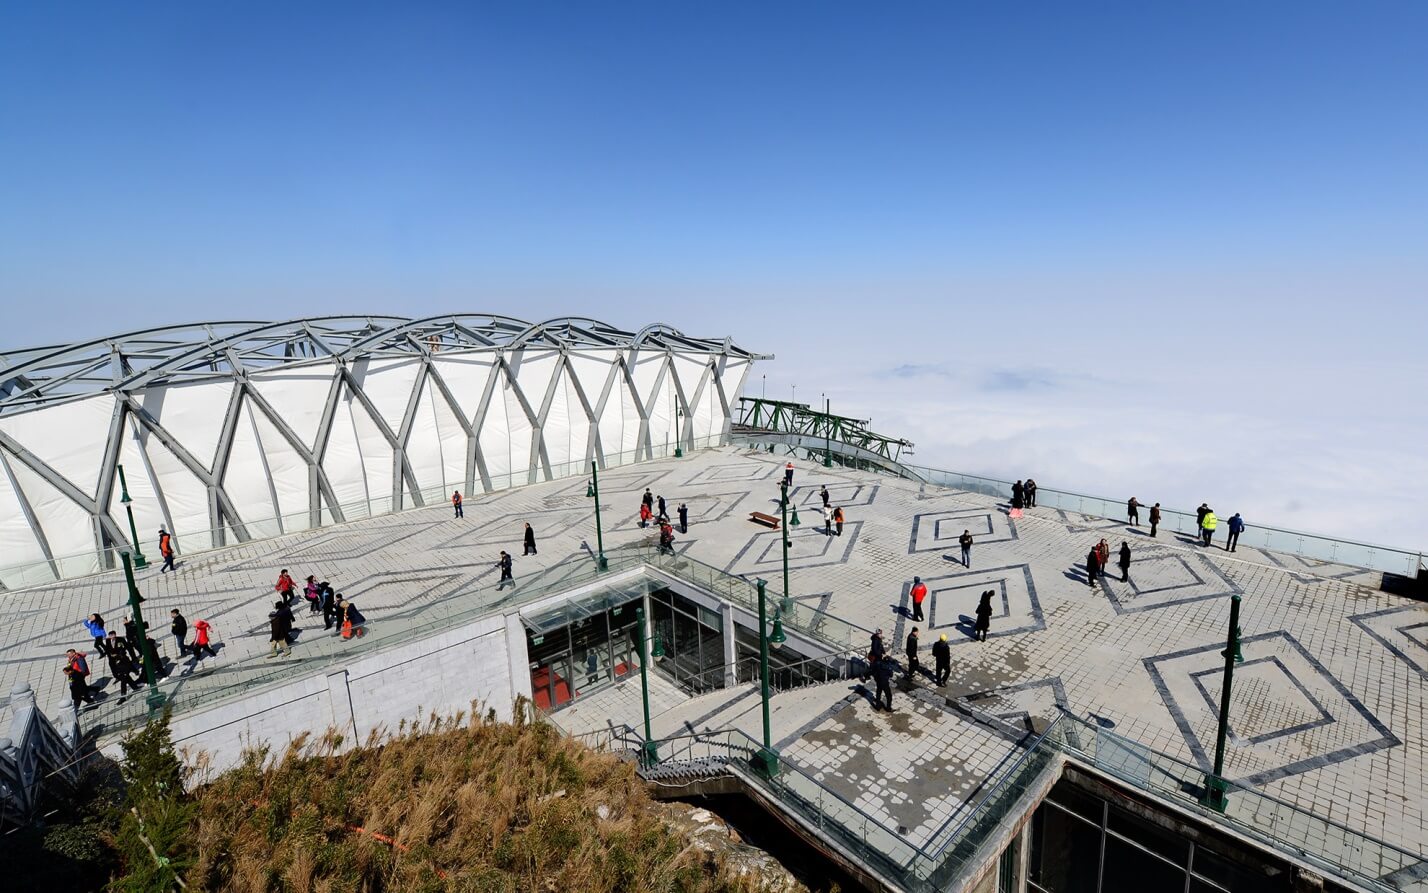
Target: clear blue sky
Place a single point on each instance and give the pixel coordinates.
(1206, 194)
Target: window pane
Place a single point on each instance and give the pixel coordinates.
(1130, 869)
(1213, 866)
(1065, 852)
(1079, 802)
(1152, 837)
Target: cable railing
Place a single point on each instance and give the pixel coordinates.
(192, 543)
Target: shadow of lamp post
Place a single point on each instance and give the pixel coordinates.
(1216, 794)
(139, 560)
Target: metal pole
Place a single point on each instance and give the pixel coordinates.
(678, 434)
(1215, 787)
(139, 560)
(783, 531)
(828, 442)
(600, 562)
(650, 752)
(766, 760)
(155, 698)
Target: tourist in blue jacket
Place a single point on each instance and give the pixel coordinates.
(1237, 526)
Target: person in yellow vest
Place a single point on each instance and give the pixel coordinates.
(1207, 526)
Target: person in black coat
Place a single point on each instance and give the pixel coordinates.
(942, 659)
(882, 675)
(530, 540)
(912, 664)
(122, 669)
(683, 518)
(1093, 566)
(984, 615)
(1018, 493)
(280, 626)
(1125, 562)
(328, 599)
(505, 565)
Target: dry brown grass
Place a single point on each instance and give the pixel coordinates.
(454, 805)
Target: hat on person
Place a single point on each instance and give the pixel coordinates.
(943, 637)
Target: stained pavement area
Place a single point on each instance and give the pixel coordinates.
(1328, 706)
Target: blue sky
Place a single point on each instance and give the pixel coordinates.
(1210, 212)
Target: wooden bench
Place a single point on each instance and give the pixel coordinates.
(766, 520)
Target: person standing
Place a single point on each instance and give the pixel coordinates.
(95, 625)
(965, 541)
(1154, 518)
(942, 659)
(456, 504)
(876, 651)
(1125, 562)
(838, 521)
(645, 514)
(882, 675)
(178, 625)
(279, 626)
(648, 500)
(530, 548)
(1093, 565)
(823, 493)
(919, 592)
(1103, 554)
(505, 565)
(1133, 511)
(666, 537)
(683, 518)
(662, 512)
(1237, 527)
(788, 475)
(1029, 492)
(201, 643)
(329, 607)
(166, 549)
(353, 623)
(1018, 495)
(827, 521)
(984, 616)
(1208, 525)
(912, 664)
(1200, 518)
(287, 614)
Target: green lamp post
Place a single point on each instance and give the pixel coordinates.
(154, 698)
(139, 560)
(765, 762)
(593, 492)
(649, 754)
(678, 434)
(828, 434)
(1216, 794)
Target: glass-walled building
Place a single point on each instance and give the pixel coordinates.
(583, 645)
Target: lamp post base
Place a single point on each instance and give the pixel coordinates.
(155, 699)
(765, 762)
(601, 562)
(679, 452)
(1216, 794)
(649, 754)
(140, 562)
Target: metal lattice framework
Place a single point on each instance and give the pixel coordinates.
(308, 417)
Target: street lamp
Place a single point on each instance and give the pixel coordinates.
(592, 491)
(139, 560)
(678, 434)
(649, 754)
(1216, 791)
(828, 433)
(766, 760)
(783, 531)
(155, 698)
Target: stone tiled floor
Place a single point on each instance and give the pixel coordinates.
(1328, 710)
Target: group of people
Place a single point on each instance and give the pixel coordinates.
(1100, 556)
(833, 517)
(321, 599)
(127, 655)
(1024, 494)
(654, 511)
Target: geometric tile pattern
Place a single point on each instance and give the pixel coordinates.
(742, 472)
(1164, 578)
(810, 548)
(939, 531)
(951, 605)
(1280, 693)
(1029, 705)
(847, 494)
(1402, 630)
(704, 508)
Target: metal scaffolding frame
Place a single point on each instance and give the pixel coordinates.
(128, 365)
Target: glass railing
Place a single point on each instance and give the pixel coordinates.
(1311, 546)
(1327, 844)
(191, 543)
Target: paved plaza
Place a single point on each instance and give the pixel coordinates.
(1327, 710)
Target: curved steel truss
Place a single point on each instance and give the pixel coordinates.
(243, 429)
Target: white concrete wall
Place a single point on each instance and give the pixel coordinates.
(442, 674)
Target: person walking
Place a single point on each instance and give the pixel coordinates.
(530, 548)
(122, 670)
(456, 508)
(827, 521)
(1125, 562)
(919, 592)
(1093, 565)
(965, 541)
(683, 518)
(95, 625)
(823, 494)
(1029, 493)
(201, 630)
(666, 538)
(505, 565)
(285, 586)
(942, 660)
(788, 475)
(1133, 511)
(166, 549)
(287, 612)
(838, 521)
(912, 664)
(279, 625)
(178, 625)
(131, 637)
(984, 616)
(645, 514)
(1208, 525)
(882, 675)
(77, 671)
(1018, 495)
(648, 500)
(876, 651)
(1154, 518)
(1237, 527)
(662, 512)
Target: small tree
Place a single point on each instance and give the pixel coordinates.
(153, 841)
